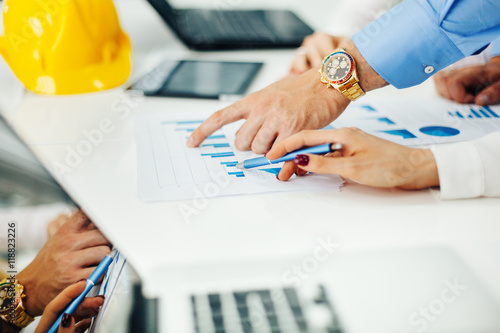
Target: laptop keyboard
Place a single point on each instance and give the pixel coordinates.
(230, 25)
(265, 311)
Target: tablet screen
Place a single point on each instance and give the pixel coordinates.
(199, 79)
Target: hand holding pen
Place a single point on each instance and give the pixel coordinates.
(91, 281)
(364, 158)
(80, 320)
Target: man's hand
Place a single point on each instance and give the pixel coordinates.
(314, 48)
(276, 112)
(81, 319)
(476, 84)
(71, 254)
(364, 158)
(286, 107)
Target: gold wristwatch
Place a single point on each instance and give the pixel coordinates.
(11, 303)
(339, 71)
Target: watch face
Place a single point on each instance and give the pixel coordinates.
(338, 67)
(9, 298)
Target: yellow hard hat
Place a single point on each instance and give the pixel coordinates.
(65, 46)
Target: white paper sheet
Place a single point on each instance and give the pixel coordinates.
(169, 170)
(420, 122)
(107, 288)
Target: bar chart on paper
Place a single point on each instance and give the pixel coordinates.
(169, 170)
(416, 122)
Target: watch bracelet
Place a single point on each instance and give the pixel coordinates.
(21, 319)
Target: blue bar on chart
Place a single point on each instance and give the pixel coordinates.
(185, 129)
(385, 120)
(231, 164)
(488, 109)
(402, 132)
(368, 108)
(484, 113)
(474, 114)
(216, 145)
(238, 174)
(456, 114)
(219, 155)
(218, 136)
(186, 122)
(481, 113)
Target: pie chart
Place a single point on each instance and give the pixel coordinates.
(439, 131)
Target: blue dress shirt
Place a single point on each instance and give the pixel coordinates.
(417, 38)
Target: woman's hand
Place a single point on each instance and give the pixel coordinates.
(314, 48)
(364, 158)
(80, 320)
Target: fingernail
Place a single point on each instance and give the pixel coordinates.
(81, 280)
(302, 160)
(66, 320)
(190, 142)
(277, 177)
(101, 296)
(483, 99)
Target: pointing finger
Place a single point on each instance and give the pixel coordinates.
(220, 118)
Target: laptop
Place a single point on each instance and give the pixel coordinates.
(205, 29)
(394, 290)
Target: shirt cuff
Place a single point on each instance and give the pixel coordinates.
(405, 46)
(495, 48)
(460, 170)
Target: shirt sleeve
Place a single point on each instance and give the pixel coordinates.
(420, 37)
(495, 48)
(469, 169)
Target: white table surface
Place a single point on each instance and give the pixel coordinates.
(155, 237)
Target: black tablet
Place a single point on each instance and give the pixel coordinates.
(199, 79)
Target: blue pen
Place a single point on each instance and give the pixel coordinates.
(91, 281)
(261, 161)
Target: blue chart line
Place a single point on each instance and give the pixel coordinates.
(368, 108)
(238, 174)
(229, 164)
(385, 120)
(220, 136)
(439, 131)
(403, 133)
(484, 112)
(187, 122)
(273, 171)
(185, 129)
(217, 145)
(219, 155)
